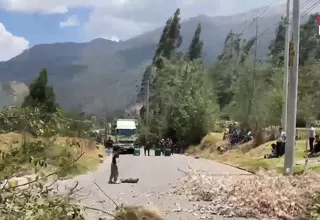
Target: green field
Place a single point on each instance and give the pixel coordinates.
(249, 158)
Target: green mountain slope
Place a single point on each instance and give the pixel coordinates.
(102, 74)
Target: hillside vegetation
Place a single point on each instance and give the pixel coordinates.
(187, 99)
(41, 144)
(101, 74)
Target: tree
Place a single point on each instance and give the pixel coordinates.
(254, 99)
(170, 40)
(308, 39)
(195, 48)
(308, 75)
(224, 73)
(161, 44)
(185, 106)
(41, 95)
(173, 39)
(276, 47)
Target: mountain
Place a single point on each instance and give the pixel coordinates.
(103, 76)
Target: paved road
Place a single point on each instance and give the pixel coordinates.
(157, 174)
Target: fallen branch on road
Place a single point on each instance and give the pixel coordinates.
(266, 195)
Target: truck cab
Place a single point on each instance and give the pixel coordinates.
(125, 132)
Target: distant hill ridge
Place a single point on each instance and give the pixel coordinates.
(103, 74)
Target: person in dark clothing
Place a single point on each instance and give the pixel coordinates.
(179, 147)
(273, 153)
(114, 167)
(147, 148)
(316, 146)
(230, 127)
(280, 145)
(162, 145)
(137, 143)
(109, 145)
(168, 144)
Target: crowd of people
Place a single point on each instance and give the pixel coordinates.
(178, 147)
(237, 136)
(278, 148)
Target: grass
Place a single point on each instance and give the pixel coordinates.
(57, 151)
(248, 158)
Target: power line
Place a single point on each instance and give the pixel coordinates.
(306, 12)
(256, 18)
(305, 3)
(274, 25)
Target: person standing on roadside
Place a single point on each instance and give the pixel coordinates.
(312, 136)
(169, 144)
(137, 143)
(109, 145)
(114, 167)
(147, 148)
(281, 142)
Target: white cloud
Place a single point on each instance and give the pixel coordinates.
(56, 6)
(126, 18)
(104, 25)
(70, 22)
(10, 45)
(133, 17)
(32, 6)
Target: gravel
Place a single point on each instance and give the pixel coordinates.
(157, 175)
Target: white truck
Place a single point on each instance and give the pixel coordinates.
(125, 132)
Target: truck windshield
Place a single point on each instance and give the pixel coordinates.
(126, 132)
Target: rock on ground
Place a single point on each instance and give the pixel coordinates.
(156, 174)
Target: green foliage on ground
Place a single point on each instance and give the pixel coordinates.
(39, 123)
(38, 200)
(40, 156)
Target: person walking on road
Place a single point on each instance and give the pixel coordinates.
(109, 146)
(147, 148)
(114, 167)
(312, 136)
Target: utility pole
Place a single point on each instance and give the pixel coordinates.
(105, 116)
(148, 94)
(254, 68)
(293, 92)
(147, 101)
(255, 49)
(286, 70)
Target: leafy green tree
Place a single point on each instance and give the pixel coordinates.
(185, 105)
(161, 44)
(276, 47)
(41, 95)
(308, 39)
(173, 39)
(222, 78)
(224, 73)
(170, 40)
(195, 48)
(254, 99)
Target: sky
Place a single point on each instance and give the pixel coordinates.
(24, 23)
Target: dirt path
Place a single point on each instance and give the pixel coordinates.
(156, 174)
